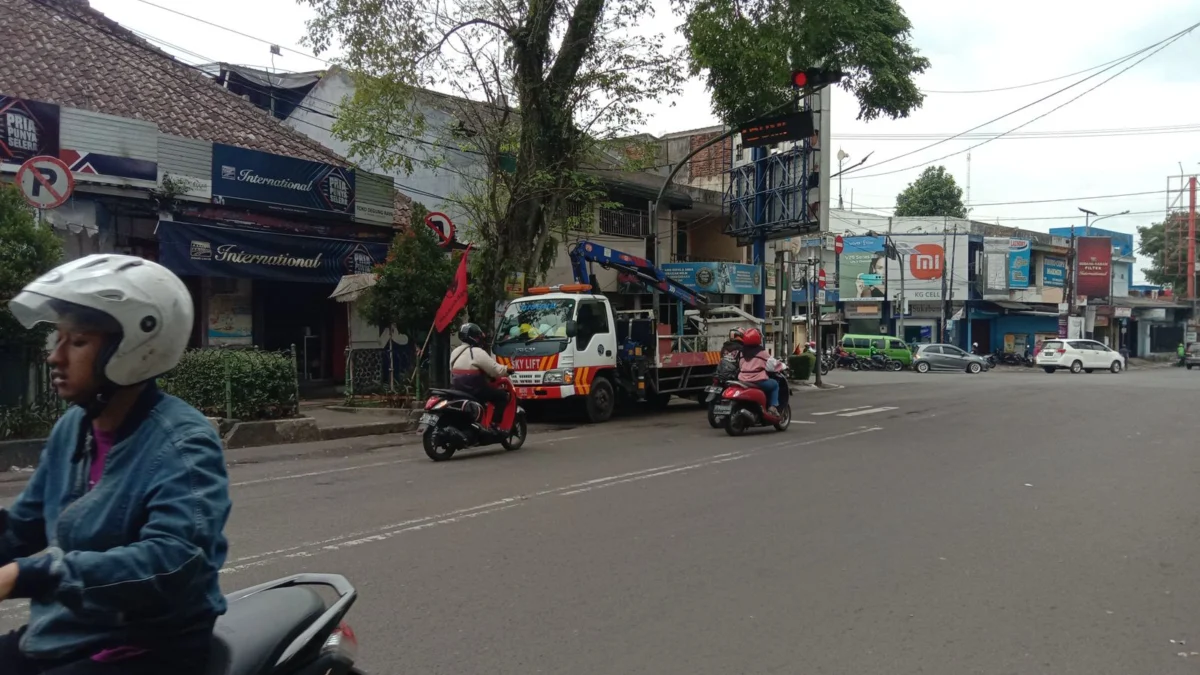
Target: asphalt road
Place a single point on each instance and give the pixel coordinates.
(1010, 522)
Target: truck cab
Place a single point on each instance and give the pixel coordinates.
(559, 343)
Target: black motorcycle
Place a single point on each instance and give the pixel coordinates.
(454, 420)
(286, 627)
(727, 369)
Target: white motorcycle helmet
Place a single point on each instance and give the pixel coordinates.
(150, 304)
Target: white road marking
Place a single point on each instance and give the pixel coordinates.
(871, 411)
(689, 467)
(834, 412)
(814, 441)
(357, 467)
(325, 472)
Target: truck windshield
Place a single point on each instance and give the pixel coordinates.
(534, 319)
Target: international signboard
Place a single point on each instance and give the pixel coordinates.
(204, 250)
(27, 129)
(1093, 266)
(795, 126)
(249, 177)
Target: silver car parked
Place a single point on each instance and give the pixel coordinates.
(946, 357)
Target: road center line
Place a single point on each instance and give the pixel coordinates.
(870, 411)
(834, 412)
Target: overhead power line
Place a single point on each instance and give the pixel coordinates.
(155, 63)
(1026, 135)
(1041, 201)
(234, 31)
(1157, 46)
(1016, 86)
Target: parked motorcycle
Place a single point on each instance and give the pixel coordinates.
(744, 405)
(285, 626)
(455, 420)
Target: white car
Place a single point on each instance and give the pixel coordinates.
(1079, 356)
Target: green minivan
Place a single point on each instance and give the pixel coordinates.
(894, 347)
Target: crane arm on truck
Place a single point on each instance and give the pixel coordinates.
(585, 252)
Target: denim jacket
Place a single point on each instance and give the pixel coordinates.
(135, 560)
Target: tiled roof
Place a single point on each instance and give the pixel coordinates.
(65, 52)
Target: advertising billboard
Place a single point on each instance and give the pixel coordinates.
(1054, 271)
(716, 277)
(1020, 256)
(27, 129)
(936, 256)
(1093, 266)
(862, 269)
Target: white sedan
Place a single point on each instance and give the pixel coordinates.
(1079, 356)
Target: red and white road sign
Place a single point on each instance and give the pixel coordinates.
(820, 278)
(46, 182)
(440, 223)
(838, 244)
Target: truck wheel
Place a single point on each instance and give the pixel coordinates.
(600, 401)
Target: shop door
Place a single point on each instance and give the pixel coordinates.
(981, 333)
(301, 315)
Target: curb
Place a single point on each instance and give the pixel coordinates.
(24, 453)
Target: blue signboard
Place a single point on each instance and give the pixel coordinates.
(213, 251)
(717, 277)
(27, 129)
(1054, 272)
(1019, 260)
(250, 177)
(800, 294)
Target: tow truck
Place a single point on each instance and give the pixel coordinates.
(567, 342)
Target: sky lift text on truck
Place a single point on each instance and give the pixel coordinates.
(566, 341)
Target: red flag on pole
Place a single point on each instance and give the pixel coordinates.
(456, 296)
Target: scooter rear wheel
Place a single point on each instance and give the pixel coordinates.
(429, 440)
(713, 421)
(735, 424)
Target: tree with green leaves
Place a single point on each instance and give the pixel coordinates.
(1163, 246)
(27, 250)
(547, 92)
(747, 49)
(934, 194)
(410, 285)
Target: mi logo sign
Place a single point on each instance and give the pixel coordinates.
(927, 262)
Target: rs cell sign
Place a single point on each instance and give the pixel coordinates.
(249, 177)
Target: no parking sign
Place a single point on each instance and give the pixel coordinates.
(45, 182)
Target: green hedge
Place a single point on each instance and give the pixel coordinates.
(242, 384)
(802, 366)
(33, 420)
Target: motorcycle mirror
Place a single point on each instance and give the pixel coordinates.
(572, 328)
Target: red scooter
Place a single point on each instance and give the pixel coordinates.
(455, 420)
(744, 405)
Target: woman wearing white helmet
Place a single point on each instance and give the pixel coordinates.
(117, 539)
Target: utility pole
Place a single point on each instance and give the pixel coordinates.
(1191, 277)
(945, 316)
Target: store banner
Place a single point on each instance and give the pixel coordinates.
(995, 265)
(249, 177)
(215, 251)
(1020, 257)
(1094, 271)
(27, 129)
(862, 269)
(937, 256)
(1054, 271)
(716, 277)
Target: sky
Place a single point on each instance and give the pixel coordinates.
(971, 45)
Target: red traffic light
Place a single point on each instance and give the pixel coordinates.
(815, 77)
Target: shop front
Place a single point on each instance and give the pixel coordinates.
(863, 318)
(268, 289)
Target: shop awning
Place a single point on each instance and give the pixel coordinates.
(223, 250)
(1015, 306)
(352, 286)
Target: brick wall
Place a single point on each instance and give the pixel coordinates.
(710, 162)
